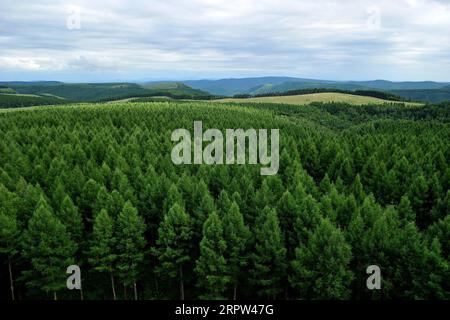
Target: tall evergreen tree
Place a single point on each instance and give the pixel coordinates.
(211, 266)
(130, 245)
(48, 247)
(288, 210)
(321, 267)
(9, 231)
(201, 212)
(102, 248)
(174, 244)
(236, 235)
(405, 211)
(269, 258)
(69, 215)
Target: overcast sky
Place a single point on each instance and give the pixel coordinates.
(115, 40)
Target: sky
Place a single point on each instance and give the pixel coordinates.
(119, 40)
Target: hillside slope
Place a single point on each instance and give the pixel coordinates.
(230, 87)
(315, 97)
(94, 92)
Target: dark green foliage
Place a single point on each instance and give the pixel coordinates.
(48, 247)
(130, 244)
(52, 93)
(71, 218)
(211, 266)
(12, 100)
(102, 254)
(269, 257)
(174, 244)
(95, 186)
(237, 236)
(321, 266)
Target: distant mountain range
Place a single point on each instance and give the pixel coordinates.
(427, 91)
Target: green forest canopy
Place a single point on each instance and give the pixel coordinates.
(94, 185)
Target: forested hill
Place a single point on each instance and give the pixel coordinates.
(94, 185)
(425, 91)
(95, 92)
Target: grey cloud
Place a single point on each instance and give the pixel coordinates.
(169, 39)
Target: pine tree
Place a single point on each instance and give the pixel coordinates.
(346, 210)
(201, 213)
(436, 273)
(211, 266)
(102, 249)
(356, 234)
(236, 235)
(321, 267)
(87, 198)
(173, 196)
(382, 246)
(288, 211)
(116, 204)
(49, 249)
(441, 231)
(418, 195)
(130, 245)
(174, 244)
(58, 194)
(9, 231)
(271, 190)
(103, 201)
(325, 184)
(71, 218)
(223, 203)
(442, 208)
(405, 211)
(269, 258)
(307, 218)
(358, 190)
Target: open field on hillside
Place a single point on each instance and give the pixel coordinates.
(317, 97)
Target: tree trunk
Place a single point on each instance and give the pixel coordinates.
(124, 291)
(181, 284)
(156, 285)
(54, 296)
(235, 291)
(11, 278)
(112, 285)
(81, 293)
(135, 291)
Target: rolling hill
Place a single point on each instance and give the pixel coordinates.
(280, 84)
(427, 91)
(317, 97)
(425, 95)
(8, 100)
(97, 92)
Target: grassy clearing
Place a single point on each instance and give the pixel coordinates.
(318, 97)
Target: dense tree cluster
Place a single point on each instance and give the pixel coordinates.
(20, 100)
(51, 92)
(94, 185)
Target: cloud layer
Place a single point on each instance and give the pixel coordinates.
(131, 40)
